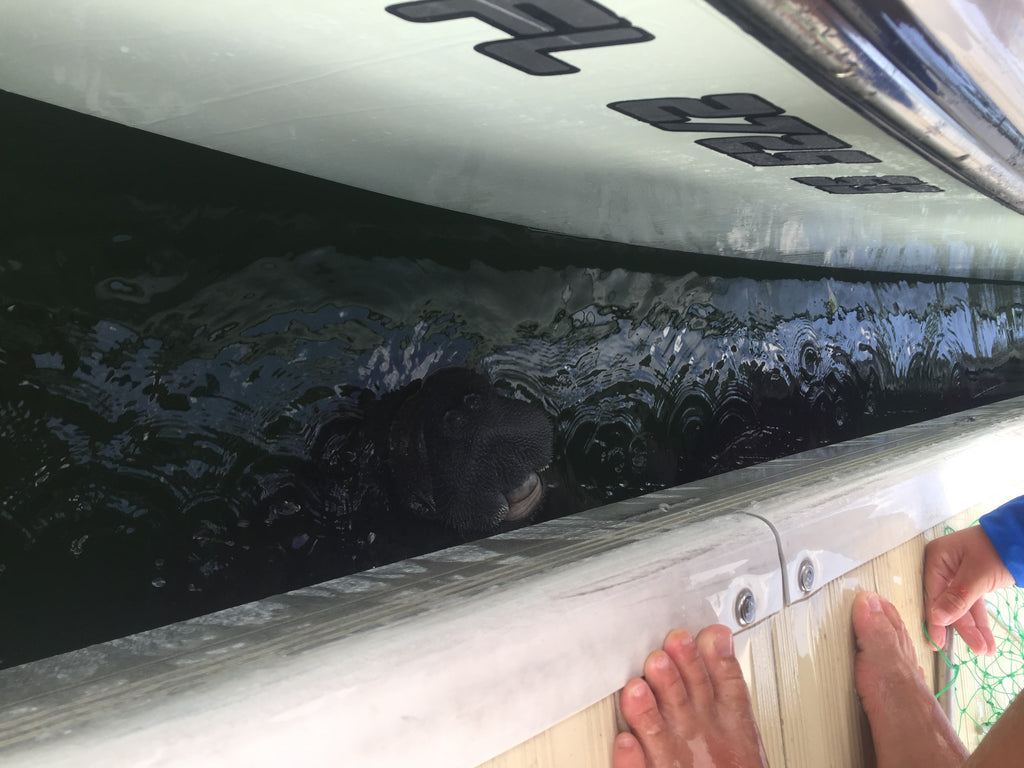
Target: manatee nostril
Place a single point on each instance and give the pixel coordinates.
(454, 421)
(472, 401)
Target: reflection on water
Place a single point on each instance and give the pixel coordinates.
(158, 383)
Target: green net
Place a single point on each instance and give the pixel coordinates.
(982, 687)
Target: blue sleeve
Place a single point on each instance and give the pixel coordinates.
(1005, 527)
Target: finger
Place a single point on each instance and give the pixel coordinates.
(953, 602)
(941, 564)
(959, 569)
(937, 635)
(981, 619)
(975, 629)
(969, 633)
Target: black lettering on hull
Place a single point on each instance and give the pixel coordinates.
(537, 28)
(796, 142)
(867, 185)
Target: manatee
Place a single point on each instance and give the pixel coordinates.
(440, 461)
(459, 453)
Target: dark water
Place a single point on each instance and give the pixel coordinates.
(172, 322)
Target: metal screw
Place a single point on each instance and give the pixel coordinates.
(805, 577)
(746, 607)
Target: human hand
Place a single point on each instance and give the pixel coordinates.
(959, 570)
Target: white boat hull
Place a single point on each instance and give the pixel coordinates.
(441, 112)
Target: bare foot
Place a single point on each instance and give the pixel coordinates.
(908, 727)
(691, 710)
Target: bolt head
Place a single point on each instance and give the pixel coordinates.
(805, 576)
(746, 607)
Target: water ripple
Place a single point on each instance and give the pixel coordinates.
(148, 432)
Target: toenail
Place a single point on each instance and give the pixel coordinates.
(625, 741)
(723, 645)
(636, 688)
(874, 603)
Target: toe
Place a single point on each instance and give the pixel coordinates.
(656, 736)
(880, 629)
(664, 679)
(872, 626)
(907, 725)
(886, 655)
(683, 649)
(724, 671)
(640, 709)
(898, 627)
(627, 753)
(692, 708)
